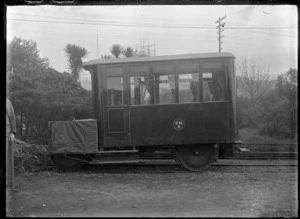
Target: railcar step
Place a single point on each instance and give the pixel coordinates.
(120, 151)
(243, 149)
(116, 158)
(114, 162)
(267, 154)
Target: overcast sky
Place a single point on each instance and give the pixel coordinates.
(265, 32)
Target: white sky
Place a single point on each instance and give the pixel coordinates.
(265, 32)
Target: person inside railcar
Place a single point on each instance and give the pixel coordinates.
(207, 78)
(216, 86)
(172, 85)
(194, 87)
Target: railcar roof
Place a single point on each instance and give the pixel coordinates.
(159, 58)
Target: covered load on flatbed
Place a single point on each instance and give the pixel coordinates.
(77, 136)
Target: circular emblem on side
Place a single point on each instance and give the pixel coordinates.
(178, 124)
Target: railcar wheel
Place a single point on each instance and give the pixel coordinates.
(67, 164)
(196, 157)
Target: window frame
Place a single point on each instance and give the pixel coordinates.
(123, 90)
(176, 68)
(175, 87)
(130, 91)
(200, 86)
(214, 71)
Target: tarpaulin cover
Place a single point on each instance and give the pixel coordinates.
(77, 136)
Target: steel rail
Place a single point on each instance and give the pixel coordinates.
(163, 168)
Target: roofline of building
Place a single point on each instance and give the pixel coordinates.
(158, 58)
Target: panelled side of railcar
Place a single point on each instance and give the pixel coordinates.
(129, 123)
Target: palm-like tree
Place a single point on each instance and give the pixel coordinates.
(105, 56)
(75, 54)
(116, 50)
(128, 52)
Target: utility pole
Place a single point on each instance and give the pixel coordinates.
(219, 32)
(97, 44)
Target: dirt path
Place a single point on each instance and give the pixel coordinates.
(222, 191)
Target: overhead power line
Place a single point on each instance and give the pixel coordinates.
(122, 20)
(106, 24)
(144, 26)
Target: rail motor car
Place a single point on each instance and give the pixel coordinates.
(181, 104)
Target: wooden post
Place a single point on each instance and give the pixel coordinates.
(10, 173)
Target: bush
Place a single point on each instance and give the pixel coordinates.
(248, 112)
(59, 97)
(280, 108)
(30, 157)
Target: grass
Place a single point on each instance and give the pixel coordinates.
(251, 136)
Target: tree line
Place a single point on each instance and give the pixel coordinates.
(270, 106)
(40, 94)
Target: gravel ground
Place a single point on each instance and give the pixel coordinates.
(159, 191)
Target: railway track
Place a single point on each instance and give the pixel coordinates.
(169, 166)
(239, 155)
(229, 162)
(266, 155)
(164, 162)
(267, 151)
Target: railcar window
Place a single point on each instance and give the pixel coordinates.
(141, 90)
(214, 86)
(164, 86)
(189, 88)
(115, 91)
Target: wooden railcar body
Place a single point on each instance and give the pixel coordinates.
(153, 124)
